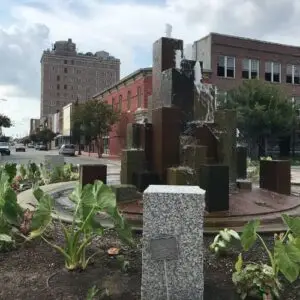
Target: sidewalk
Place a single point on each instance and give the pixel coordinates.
(295, 175)
(114, 160)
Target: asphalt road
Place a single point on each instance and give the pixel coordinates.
(113, 167)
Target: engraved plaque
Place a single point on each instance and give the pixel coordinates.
(164, 248)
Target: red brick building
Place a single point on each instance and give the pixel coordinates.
(231, 59)
(128, 95)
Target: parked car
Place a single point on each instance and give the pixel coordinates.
(37, 147)
(4, 148)
(20, 148)
(30, 146)
(43, 147)
(67, 149)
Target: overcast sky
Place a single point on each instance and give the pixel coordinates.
(126, 29)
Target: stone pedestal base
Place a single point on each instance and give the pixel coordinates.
(172, 266)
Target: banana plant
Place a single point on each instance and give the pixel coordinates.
(89, 201)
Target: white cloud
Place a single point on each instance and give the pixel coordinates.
(121, 27)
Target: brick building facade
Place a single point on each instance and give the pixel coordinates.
(128, 95)
(231, 59)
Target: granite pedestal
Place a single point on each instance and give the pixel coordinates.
(172, 243)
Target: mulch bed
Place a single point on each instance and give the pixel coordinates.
(36, 271)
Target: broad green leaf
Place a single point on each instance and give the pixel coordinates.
(42, 216)
(104, 196)
(38, 193)
(239, 263)
(11, 170)
(248, 236)
(11, 209)
(293, 223)
(5, 238)
(287, 258)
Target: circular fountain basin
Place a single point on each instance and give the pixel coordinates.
(244, 206)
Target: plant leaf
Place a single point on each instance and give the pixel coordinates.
(38, 193)
(225, 235)
(104, 196)
(234, 234)
(293, 223)
(42, 216)
(5, 238)
(287, 258)
(239, 263)
(248, 236)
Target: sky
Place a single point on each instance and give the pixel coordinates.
(126, 29)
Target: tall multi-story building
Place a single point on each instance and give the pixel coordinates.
(34, 125)
(68, 75)
(229, 60)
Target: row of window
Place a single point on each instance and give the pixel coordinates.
(118, 105)
(250, 70)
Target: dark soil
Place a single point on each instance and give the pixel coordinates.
(36, 271)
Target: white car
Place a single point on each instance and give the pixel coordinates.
(67, 149)
(20, 148)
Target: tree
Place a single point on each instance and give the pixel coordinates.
(5, 121)
(44, 136)
(33, 137)
(95, 119)
(4, 138)
(26, 140)
(263, 111)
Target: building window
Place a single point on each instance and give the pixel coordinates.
(128, 100)
(66, 61)
(272, 71)
(250, 68)
(65, 87)
(120, 103)
(72, 62)
(293, 74)
(226, 66)
(58, 78)
(139, 97)
(66, 70)
(58, 86)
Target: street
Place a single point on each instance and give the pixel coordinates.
(113, 167)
